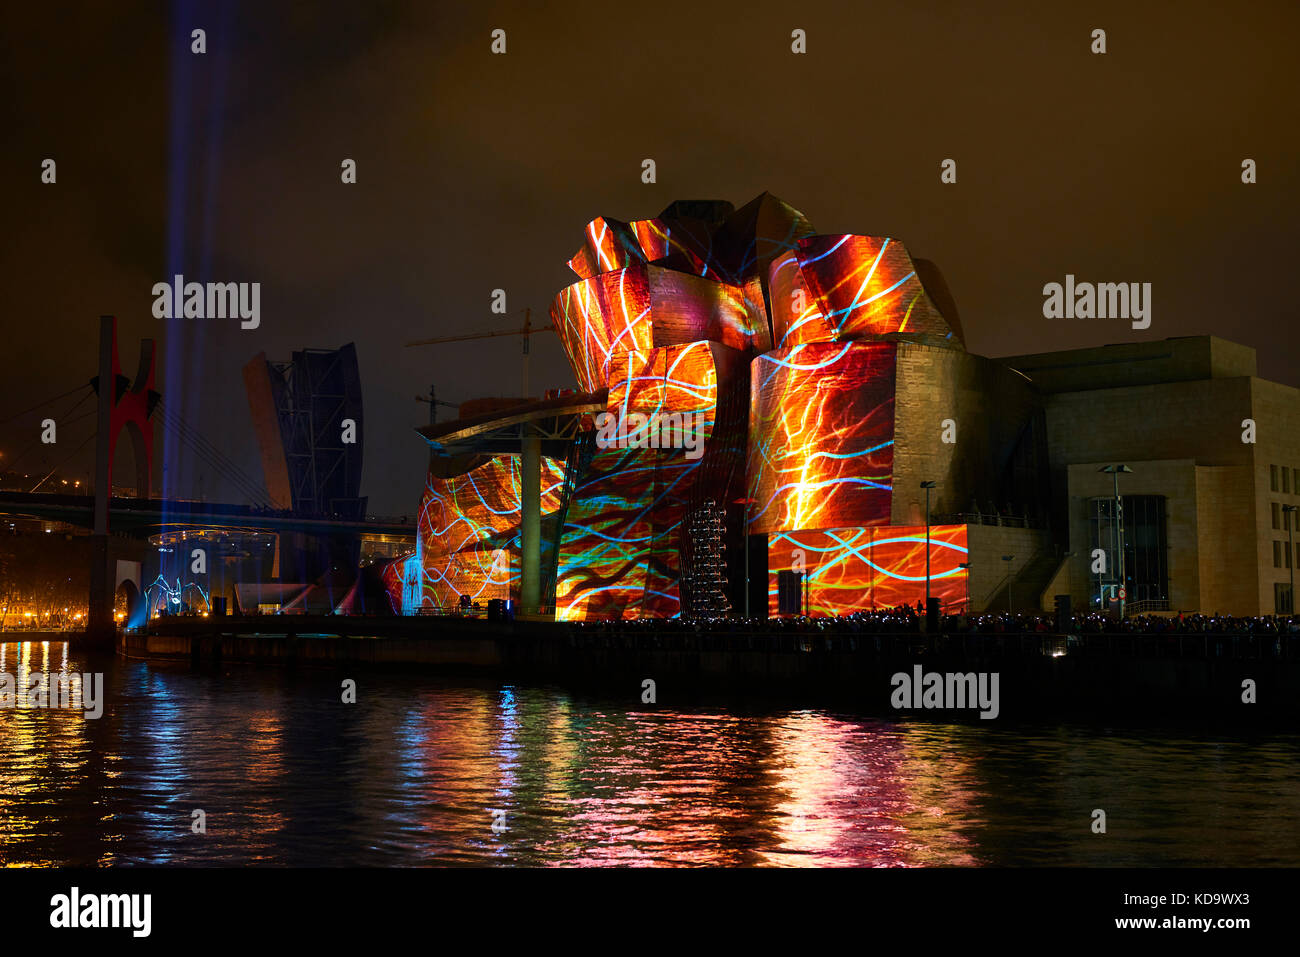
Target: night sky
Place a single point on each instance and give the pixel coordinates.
(478, 171)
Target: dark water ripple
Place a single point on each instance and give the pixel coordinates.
(412, 773)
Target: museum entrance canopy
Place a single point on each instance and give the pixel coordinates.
(556, 421)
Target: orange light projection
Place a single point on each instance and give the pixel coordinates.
(859, 569)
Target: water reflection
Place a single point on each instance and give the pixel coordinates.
(286, 773)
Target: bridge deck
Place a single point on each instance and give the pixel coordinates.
(144, 517)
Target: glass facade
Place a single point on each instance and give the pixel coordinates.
(1145, 546)
(1282, 602)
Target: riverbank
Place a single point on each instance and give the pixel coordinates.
(1037, 675)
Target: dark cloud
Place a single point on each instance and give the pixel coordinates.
(477, 172)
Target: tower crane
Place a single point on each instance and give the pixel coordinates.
(434, 402)
(527, 331)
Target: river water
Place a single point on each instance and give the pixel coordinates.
(424, 771)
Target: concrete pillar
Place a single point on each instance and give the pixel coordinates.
(530, 495)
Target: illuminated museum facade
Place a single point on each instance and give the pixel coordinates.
(830, 377)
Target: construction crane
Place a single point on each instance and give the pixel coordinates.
(434, 402)
(527, 331)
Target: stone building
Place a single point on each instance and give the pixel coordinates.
(1215, 455)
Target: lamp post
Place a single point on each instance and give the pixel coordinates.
(744, 540)
(927, 486)
(1287, 512)
(1114, 470)
(966, 567)
(1007, 579)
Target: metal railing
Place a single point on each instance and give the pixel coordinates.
(1146, 605)
(957, 645)
(986, 518)
(478, 609)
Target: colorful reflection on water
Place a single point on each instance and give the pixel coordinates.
(418, 771)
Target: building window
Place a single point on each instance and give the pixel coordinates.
(1282, 599)
(1286, 480)
(1277, 554)
(1146, 552)
(1295, 480)
(1277, 514)
(1272, 478)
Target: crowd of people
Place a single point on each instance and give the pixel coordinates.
(906, 619)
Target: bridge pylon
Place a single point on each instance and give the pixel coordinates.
(124, 406)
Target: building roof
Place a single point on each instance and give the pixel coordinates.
(1118, 365)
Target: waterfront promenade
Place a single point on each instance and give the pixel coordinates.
(1090, 672)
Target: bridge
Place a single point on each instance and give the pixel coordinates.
(310, 503)
(142, 518)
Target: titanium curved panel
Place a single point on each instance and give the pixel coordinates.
(674, 379)
(608, 245)
(864, 286)
(683, 245)
(821, 436)
(796, 316)
(469, 524)
(620, 551)
(687, 308)
(600, 318)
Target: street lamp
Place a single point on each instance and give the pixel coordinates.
(1114, 470)
(1007, 579)
(966, 567)
(1287, 512)
(744, 540)
(927, 486)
